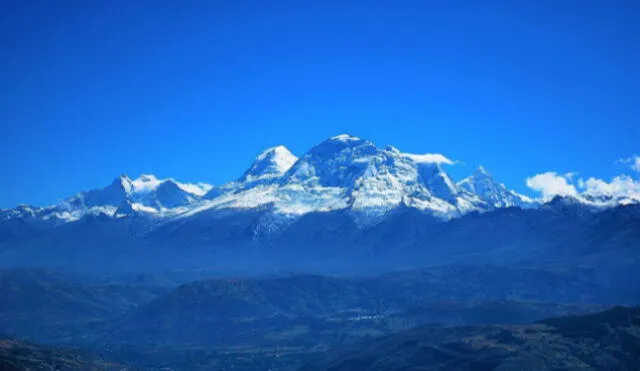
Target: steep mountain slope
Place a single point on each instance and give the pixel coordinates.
(256, 240)
(552, 234)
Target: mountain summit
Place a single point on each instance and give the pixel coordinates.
(270, 164)
(495, 194)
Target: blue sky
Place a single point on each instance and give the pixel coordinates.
(195, 89)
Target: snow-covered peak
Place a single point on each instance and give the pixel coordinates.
(272, 163)
(336, 162)
(495, 194)
(278, 153)
(147, 183)
(124, 182)
(337, 144)
(152, 195)
(145, 195)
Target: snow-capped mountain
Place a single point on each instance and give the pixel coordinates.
(495, 194)
(341, 173)
(345, 199)
(266, 169)
(596, 200)
(146, 195)
(347, 173)
(270, 164)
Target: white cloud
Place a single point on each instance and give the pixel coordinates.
(552, 184)
(633, 162)
(622, 186)
(432, 158)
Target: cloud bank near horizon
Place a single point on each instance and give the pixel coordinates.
(551, 184)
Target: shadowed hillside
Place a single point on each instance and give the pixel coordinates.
(608, 340)
(18, 355)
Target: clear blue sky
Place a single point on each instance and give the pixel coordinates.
(195, 89)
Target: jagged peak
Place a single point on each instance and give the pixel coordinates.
(148, 182)
(123, 181)
(270, 163)
(277, 151)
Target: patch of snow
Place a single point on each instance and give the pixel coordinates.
(97, 210)
(145, 183)
(142, 208)
(270, 164)
(197, 189)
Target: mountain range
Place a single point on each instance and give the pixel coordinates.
(345, 205)
(341, 173)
